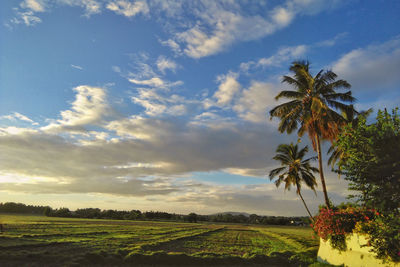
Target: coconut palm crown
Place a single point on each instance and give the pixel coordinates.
(315, 107)
(294, 169)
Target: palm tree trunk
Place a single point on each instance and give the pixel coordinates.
(309, 213)
(321, 171)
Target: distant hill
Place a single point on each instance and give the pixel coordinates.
(235, 213)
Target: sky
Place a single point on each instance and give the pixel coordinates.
(163, 104)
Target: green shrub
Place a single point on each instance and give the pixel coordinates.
(383, 236)
(370, 161)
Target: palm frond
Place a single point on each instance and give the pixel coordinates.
(339, 84)
(302, 152)
(346, 97)
(340, 106)
(284, 159)
(293, 82)
(290, 95)
(309, 159)
(284, 108)
(335, 154)
(275, 172)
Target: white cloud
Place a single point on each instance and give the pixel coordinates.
(153, 92)
(282, 16)
(91, 6)
(89, 108)
(152, 108)
(127, 8)
(259, 172)
(76, 67)
(286, 54)
(116, 69)
(145, 70)
(213, 121)
(219, 25)
(227, 89)
(175, 47)
(18, 116)
(226, 28)
(156, 103)
(28, 18)
(172, 8)
(139, 127)
(155, 82)
(12, 130)
(164, 64)
(26, 12)
(253, 103)
(206, 116)
(142, 71)
(331, 42)
(34, 5)
(371, 68)
(283, 55)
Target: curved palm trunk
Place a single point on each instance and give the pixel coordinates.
(321, 171)
(309, 213)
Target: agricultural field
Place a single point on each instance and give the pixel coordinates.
(49, 241)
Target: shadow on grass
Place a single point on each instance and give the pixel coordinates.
(140, 258)
(208, 259)
(199, 259)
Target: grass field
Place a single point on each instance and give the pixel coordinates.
(43, 241)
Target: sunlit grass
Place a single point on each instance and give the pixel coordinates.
(83, 241)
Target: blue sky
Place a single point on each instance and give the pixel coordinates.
(161, 105)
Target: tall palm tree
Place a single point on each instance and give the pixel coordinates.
(313, 108)
(294, 169)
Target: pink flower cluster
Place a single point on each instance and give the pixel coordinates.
(331, 222)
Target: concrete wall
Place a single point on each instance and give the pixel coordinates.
(355, 256)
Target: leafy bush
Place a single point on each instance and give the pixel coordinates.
(370, 161)
(384, 236)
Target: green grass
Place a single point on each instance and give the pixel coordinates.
(38, 241)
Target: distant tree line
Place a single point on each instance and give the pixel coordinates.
(11, 207)
(95, 213)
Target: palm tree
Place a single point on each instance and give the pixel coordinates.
(313, 108)
(294, 169)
